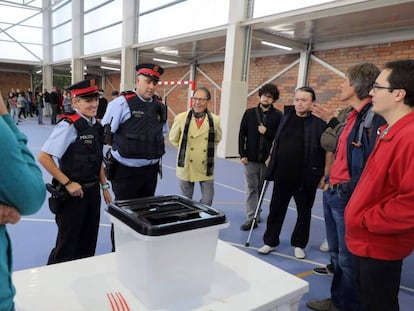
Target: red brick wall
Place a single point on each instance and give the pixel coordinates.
(325, 82)
(9, 80)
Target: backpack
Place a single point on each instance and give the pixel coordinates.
(329, 137)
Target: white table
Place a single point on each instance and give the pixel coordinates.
(241, 282)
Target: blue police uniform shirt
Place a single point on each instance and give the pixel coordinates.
(62, 136)
(116, 113)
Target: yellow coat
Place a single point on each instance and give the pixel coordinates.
(195, 163)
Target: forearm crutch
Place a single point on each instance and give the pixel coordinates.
(259, 204)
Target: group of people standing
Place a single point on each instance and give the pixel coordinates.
(133, 126)
(368, 190)
(363, 170)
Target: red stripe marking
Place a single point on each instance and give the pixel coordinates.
(122, 299)
(116, 304)
(110, 302)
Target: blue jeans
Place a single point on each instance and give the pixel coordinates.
(344, 285)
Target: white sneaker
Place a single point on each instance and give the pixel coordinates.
(299, 253)
(266, 249)
(324, 246)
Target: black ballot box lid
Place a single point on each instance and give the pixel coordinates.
(162, 215)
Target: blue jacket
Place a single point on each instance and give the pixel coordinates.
(314, 156)
(357, 153)
(19, 174)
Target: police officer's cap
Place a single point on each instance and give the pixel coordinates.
(150, 70)
(85, 88)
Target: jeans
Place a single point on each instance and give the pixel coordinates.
(207, 190)
(15, 114)
(40, 115)
(344, 285)
(255, 175)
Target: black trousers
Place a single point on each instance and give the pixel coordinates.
(132, 183)
(281, 196)
(379, 283)
(78, 226)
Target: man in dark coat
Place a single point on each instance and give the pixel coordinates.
(257, 130)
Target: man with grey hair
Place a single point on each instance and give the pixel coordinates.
(355, 143)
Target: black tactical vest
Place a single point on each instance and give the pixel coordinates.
(140, 137)
(83, 159)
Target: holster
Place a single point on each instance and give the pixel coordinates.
(55, 204)
(58, 196)
(110, 165)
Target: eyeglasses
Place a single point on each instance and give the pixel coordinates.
(199, 99)
(376, 86)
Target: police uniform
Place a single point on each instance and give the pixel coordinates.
(76, 142)
(138, 141)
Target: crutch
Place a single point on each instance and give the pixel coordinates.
(259, 204)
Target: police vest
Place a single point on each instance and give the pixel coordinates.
(140, 137)
(83, 159)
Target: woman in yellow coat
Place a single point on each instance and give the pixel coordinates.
(196, 134)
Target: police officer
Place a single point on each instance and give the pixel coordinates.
(136, 119)
(76, 142)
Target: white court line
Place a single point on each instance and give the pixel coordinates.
(51, 221)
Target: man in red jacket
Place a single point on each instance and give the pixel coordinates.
(379, 217)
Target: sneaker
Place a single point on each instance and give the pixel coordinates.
(266, 249)
(327, 270)
(299, 253)
(324, 246)
(247, 225)
(321, 305)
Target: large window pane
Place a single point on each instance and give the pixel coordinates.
(266, 7)
(26, 34)
(62, 51)
(103, 16)
(13, 50)
(147, 5)
(103, 40)
(62, 14)
(62, 33)
(90, 4)
(184, 17)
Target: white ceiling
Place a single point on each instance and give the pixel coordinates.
(357, 24)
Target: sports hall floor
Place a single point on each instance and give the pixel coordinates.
(34, 236)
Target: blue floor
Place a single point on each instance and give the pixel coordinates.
(34, 236)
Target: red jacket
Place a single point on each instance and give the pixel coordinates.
(379, 218)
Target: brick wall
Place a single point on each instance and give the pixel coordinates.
(9, 80)
(325, 82)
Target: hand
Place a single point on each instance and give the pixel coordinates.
(322, 185)
(8, 214)
(244, 160)
(262, 129)
(75, 189)
(267, 162)
(107, 196)
(324, 113)
(3, 108)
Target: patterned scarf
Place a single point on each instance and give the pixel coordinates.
(210, 145)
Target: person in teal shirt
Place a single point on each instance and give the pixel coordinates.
(19, 174)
